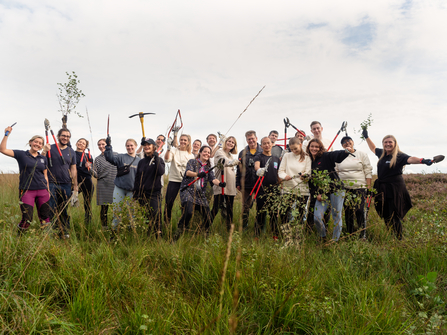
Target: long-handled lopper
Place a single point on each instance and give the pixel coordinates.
(342, 128)
(219, 164)
(48, 127)
(7, 133)
(260, 179)
(141, 115)
(174, 124)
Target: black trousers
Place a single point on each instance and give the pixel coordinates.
(171, 194)
(247, 203)
(103, 215)
(228, 215)
(357, 210)
(152, 205)
(265, 206)
(188, 209)
(392, 220)
(86, 188)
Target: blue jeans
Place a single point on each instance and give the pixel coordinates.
(336, 200)
(118, 197)
(59, 196)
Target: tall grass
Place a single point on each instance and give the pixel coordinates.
(135, 284)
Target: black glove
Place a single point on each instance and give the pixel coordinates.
(365, 134)
(201, 174)
(109, 141)
(155, 154)
(222, 184)
(426, 161)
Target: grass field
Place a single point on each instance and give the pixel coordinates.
(137, 285)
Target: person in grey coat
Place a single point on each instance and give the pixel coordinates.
(105, 174)
(124, 182)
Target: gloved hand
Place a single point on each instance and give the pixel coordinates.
(74, 201)
(232, 163)
(169, 143)
(175, 130)
(222, 184)
(307, 138)
(260, 172)
(365, 134)
(201, 174)
(109, 141)
(426, 161)
(155, 155)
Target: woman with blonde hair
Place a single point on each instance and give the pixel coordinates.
(225, 199)
(33, 180)
(179, 157)
(392, 201)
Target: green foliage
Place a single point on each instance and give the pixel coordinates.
(365, 125)
(69, 95)
(137, 284)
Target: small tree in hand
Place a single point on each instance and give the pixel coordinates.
(69, 96)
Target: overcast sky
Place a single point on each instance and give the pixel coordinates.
(331, 61)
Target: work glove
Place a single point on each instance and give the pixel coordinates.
(426, 161)
(307, 138)
(155, 155)
(365, 134)
(175, 130)
(109, 141)
(201, 174)
(169, 143)
(232, 163)
(260, 172)
(74, 201)
(222, 184)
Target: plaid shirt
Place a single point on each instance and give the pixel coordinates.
(196, 192)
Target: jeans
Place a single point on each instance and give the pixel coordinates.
(336, 202)
(118, 197)
(60, 194)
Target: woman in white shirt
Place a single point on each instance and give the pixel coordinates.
(355, 172)
(178, 157)
(294, 168)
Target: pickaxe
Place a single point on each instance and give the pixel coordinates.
(141, 115)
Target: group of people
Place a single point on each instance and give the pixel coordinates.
(303, 182)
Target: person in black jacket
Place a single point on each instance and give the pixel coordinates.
(266, 166)
(246, 174)
(83, 164)
(326, 193)
(393, 200)
(147, 187)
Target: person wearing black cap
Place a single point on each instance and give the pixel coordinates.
(356, 174)
(147, 187)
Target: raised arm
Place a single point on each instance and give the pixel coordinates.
(371, 145)
(3, 150)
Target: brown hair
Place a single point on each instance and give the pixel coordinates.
(314, 123)
(211, 135)
(234, 150)
(249, 133)
(86, 142)
(101, 139)
(395, 152)
(296, 140)
(320, 152)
